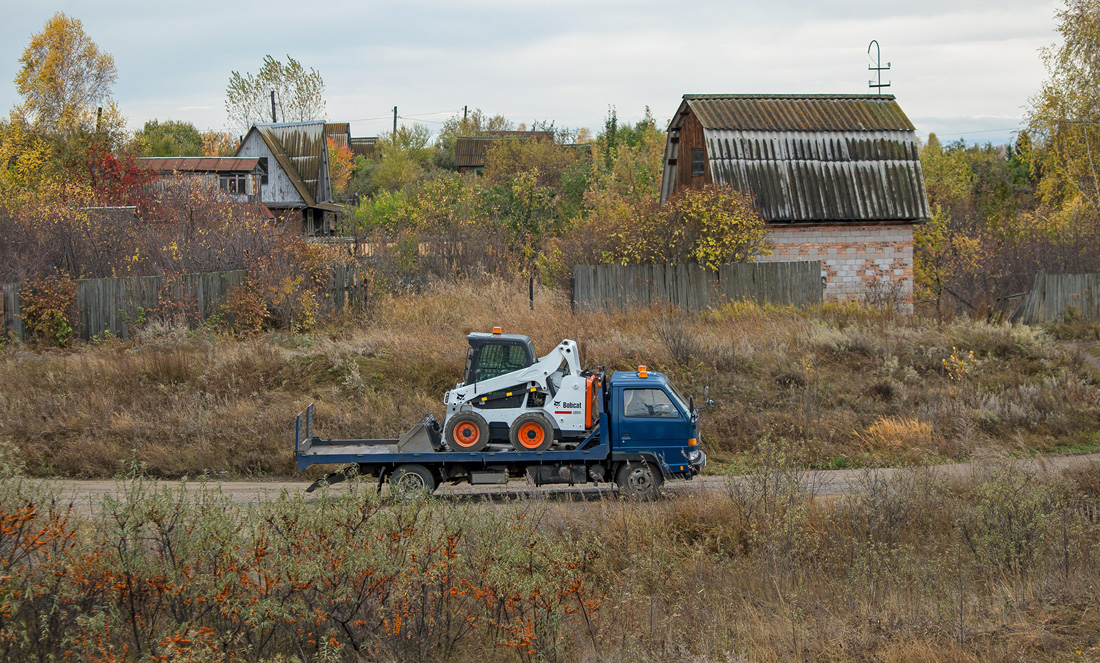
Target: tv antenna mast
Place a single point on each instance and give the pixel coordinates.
(874, 83)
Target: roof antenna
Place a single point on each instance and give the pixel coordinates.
(878, 68)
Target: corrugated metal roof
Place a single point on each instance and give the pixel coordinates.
(758, 112)
(339, 132)
(199, 164)
(301, 151)
(470, 151)
(364, 147)
(810, 159)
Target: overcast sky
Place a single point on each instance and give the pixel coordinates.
(963, 69)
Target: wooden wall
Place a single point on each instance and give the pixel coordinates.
(691, 138)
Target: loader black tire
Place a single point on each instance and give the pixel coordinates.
(531, 431)
(639, 480)
(411, 481)
(467, 431)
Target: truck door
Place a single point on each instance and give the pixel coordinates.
(652, 421)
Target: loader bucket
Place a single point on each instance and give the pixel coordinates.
(422, 438)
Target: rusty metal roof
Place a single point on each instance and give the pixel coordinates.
(760, 112)
(806, 159)
(199, 164)
(301, 151)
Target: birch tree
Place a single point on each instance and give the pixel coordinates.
(299, 94)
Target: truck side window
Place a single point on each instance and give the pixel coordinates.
(649, 403)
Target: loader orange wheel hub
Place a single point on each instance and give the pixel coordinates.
(466, 434)
(531, 435)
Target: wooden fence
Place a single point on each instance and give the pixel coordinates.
(1052, 294)
(619, 287)
(118, 305)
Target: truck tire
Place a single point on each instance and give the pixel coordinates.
(410, 481)
(639, 480)
(531, 432)
(467, 431)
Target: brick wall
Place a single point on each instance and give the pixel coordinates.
(857, 261)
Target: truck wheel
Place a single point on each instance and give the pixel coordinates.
(531, 432)
(411, 481)
(467, 431)
(639, 480)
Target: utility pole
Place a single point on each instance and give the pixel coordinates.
(395, 120)
(465, 109)
(273, 120)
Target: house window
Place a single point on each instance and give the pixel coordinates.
(262, 165)
(233, 183)
(698, 161)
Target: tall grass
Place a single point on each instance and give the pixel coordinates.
(854, 386)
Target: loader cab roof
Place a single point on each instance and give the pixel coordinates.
(491, 355)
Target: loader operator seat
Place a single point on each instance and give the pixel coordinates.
(491, 355)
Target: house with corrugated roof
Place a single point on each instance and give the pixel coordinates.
(296, 183)
(471, 152)
(837, 178)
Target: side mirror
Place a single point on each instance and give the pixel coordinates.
(691, 404)
(707, 402)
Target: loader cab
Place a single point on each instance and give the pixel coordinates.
(491, 355)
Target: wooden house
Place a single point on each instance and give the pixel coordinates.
(296, 183)
(837, 178)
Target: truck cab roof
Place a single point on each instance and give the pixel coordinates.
(630, 379)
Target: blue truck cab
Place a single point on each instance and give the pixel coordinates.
(646, 433)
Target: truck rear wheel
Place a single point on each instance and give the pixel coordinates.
(639, 480)
(467, 431)
(531, 432)
(410, 481)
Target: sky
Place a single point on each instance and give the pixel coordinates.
(964, 69)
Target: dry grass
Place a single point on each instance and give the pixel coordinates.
(852, 386)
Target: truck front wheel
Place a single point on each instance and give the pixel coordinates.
(410, 481)
(639, 480)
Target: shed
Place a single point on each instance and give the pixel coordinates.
(239, 177)
(837, 178)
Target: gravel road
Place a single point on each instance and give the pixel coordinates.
(86, 495)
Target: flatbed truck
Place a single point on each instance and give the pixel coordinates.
(646, 433)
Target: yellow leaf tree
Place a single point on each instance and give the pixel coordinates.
(64, 77)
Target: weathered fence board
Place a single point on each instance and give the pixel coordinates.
(619, 287)
(1053, 294)
(115, 305)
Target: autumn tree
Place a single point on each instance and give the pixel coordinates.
(1063, 123)
(299, 94)
(404, 156)
(341, 162)
(64, 78)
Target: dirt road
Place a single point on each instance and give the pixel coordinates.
(86, 495)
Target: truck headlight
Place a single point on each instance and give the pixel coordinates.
(695, 456)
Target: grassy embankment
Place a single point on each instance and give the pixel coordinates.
(849, 387)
